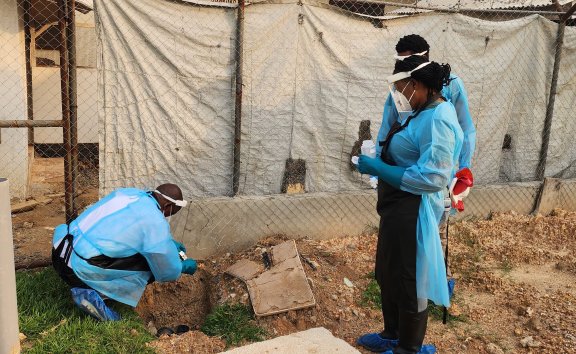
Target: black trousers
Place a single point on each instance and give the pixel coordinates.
(396, 251)
(60, 257)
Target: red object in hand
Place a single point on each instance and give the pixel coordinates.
(465, 179)
(461, 187)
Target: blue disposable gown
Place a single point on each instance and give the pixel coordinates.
(126, 222)
(456, 94)
(428, 148)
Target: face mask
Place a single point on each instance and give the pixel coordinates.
(402, 103)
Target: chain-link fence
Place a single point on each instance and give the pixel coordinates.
(272, 98)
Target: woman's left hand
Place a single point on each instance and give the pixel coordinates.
(376, 167)
(369, 166)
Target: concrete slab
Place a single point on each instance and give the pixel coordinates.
(245, 269)
(284, 251)
(283, 287)
(315, 340)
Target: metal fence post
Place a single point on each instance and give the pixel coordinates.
(67, 48)
(540, 170)
(27, 53)
(238, 102)
(9, 339)
(73, 89)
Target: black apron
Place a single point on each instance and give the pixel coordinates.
(396, 251)
(63, 251)
(395, 269)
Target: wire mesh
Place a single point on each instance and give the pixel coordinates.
(159, 83)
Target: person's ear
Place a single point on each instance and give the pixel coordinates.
(417, 85)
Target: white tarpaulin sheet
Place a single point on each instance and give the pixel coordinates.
(311, 74)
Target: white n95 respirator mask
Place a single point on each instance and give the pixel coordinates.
(401, 103)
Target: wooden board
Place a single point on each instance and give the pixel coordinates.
(24, 206)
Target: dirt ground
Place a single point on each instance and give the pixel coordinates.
(32, 230)
(515, 291)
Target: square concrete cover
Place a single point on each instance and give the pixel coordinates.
(245, 269)
(283, 287)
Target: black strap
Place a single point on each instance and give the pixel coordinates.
(135, 262)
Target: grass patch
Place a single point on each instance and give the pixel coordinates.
(233, 323)
(53, 324)
(436, 312)
(371, 295)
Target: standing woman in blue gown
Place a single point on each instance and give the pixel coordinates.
(418, 160)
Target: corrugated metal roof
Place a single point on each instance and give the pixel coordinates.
(488, 4)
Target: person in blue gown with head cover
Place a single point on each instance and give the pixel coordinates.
(119, 245)
(418, 159)
(455, 93)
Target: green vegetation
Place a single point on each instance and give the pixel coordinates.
(52, 324)
(371, 295)
(234, 323)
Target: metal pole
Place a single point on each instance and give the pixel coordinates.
(30, 123)
(541, 169)
(72, 95)
(65, 92)
(238, 102)
(9, 339)
(27, 44)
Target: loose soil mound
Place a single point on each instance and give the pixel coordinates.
(190, 342)
(183, 302)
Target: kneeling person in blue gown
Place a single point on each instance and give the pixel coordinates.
(118, 246)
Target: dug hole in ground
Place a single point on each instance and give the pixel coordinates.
(515, 285)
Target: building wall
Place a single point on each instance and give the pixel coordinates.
(48, 106)
(13, 145)
(46, 86)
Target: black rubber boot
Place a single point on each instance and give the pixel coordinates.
(412, 332)
(391, 320)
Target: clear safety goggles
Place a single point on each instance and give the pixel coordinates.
(402, 57)
(404, 74)
(180, 203)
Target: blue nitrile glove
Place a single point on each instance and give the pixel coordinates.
(179, 246)
(189, 266)
(376, 167)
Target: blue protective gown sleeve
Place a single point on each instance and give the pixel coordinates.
(161, 256)
(437, 144)
(456, 94)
